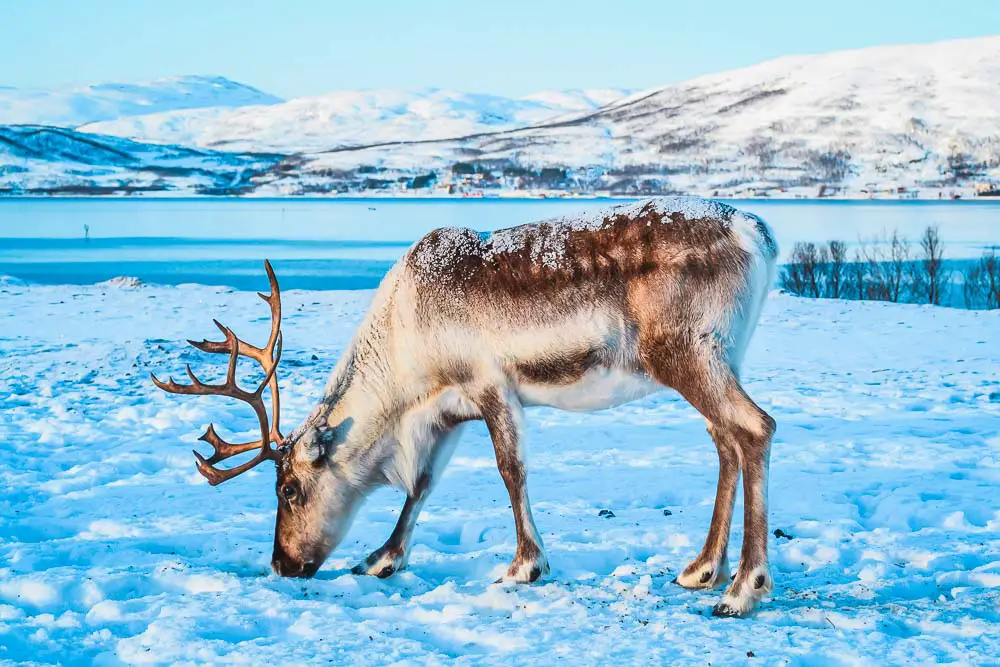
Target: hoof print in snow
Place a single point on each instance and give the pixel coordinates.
(779, 533)
(667, 513)
(607, 514)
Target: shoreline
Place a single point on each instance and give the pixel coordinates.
(186, 196)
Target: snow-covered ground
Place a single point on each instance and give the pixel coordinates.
(885, 474)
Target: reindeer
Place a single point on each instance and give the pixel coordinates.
(579, 313)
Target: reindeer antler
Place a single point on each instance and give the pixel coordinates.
(268, 358)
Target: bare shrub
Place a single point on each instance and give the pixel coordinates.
(885, 268)
(990, 270)
(857, 285)
(802, 276)
(973, 285)
(876, 278)
(897, 266)
(791, 277)
(932, 278)
(811, 262)
(836, 269)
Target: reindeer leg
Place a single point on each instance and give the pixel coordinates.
(753, 429)
(392, 556)
(502, 412)
(711, 567)
(742, 433)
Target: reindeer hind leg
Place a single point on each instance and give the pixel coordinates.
(742, 433)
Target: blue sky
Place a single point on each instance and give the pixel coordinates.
(293, 47)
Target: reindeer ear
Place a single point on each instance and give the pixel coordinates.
(310, 447)
(320, 441)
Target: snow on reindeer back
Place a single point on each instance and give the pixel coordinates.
(753, 233)
(546, 241)
(692, 208)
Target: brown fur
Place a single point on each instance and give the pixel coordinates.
(466, 321)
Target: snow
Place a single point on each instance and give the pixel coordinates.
(884, 474)
(353, 118)
(43, 159)
(691, 208)
(892, 121)
(547, 245)
(867, 119)
(70, 106)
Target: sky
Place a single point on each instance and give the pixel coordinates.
(294, 48)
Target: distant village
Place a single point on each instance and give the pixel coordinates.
(508, 180)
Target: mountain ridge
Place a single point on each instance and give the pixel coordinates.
(74, 105)
(900, 120)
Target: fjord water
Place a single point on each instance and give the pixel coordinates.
(350, 244)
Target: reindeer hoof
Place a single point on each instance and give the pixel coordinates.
(527, 570)
(382, 564)
(703, 576)
(723, 610)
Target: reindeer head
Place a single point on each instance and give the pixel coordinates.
(315, 506)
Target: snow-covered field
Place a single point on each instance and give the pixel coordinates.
(885, 474)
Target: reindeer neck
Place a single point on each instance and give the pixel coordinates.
(361, 396)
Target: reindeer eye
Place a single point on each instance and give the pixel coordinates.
(288, 492)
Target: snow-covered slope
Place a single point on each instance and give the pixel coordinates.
(889, 115)
(52, 160)
(880, 120)
(900, 110)
(73, 106)
(353, 118)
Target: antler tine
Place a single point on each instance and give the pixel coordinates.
(222, 450)
(216, 476)
(274, 367)
(274, 301)
(268, 358)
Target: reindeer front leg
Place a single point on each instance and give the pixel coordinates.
(392, 556)
(501, 410)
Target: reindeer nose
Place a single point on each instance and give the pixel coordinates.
(284, 566)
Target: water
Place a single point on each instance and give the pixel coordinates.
(350, 244)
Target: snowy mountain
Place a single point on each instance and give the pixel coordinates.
(902, 120)
(51, 160)
(353, 118)
(73, 106)
(891, 116)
